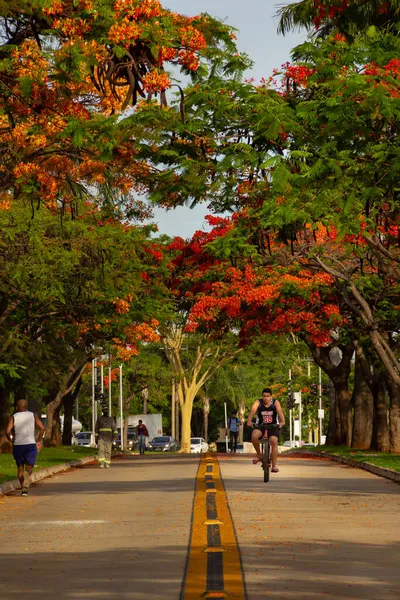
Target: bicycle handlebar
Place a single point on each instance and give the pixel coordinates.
(265, 425)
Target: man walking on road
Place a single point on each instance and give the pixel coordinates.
(233, 427)
(105, 430)
(142, 433)
(25, 446)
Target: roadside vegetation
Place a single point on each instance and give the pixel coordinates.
(48, 457)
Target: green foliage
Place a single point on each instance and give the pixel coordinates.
(61, 282)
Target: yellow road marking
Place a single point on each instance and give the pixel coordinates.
(213, 571)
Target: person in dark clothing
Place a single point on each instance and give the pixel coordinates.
(106, 430)
(269, 412)
(233, 430)
(142, 433)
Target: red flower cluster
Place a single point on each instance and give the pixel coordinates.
(155, 82)
(328, 10)
(297, 74)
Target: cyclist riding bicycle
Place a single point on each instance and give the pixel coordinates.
(269, 412)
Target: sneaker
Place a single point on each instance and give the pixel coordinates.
(101, 465)
(24, 491)
(107, 466)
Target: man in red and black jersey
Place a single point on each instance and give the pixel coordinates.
(269, 412)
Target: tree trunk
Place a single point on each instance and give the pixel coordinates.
(380, 436)
(331, 434)
(5, 445)
(343, 404)
(69, 402)
(338, 421)
(335, 361)
(186, 399)
(51, 418)
(206, 411)
(52, 437)
(394, 415)
(55, 439)
(177, 420)
(68, 416)
(363, 410)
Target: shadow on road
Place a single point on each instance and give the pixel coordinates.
(322, 569)
(326, 478)
(152, 574)
(289, 571)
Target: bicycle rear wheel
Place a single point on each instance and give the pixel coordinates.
(266, 459)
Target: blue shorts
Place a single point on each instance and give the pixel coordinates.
(25, 454)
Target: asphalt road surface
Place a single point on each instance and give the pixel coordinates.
(318, 530)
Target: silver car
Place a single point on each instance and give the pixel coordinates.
(163, 443)
(84, 438)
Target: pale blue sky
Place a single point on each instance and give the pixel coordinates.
(257, 36)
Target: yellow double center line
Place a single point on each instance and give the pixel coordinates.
(214, 568)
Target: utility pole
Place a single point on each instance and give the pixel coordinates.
(290, 410)
(177, 432)
(109, 386)
(300, 421)
(320, 411)
(173, 401)
(93, 400)
(121, 410)
(226, 428)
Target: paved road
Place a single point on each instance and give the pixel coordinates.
(317, 531)
(115, 534)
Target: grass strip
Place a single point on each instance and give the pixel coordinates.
(46, 458)
(380, 459)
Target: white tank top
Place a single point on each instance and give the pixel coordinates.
(24, 428)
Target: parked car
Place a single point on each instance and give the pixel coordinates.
(84, 438)
(132, 441)
(287, 444)
(198, 445)
(163, 443)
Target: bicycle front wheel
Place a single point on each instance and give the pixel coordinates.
(266, 461)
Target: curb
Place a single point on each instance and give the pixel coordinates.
(12, 486)
(366, 466)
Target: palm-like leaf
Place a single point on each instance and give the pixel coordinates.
(358, 16)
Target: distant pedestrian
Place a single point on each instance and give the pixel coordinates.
(142, 434)
(25, 445)
(233, 427)
(106, 430)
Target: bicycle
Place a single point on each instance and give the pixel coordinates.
(266, 452)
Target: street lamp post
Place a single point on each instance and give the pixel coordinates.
(121, 411)
(226, 428)
(94, 369)
(320, 414)
(109, 386)
(173, 401)
(290, 411)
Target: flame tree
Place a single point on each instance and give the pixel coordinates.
(314, 148)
